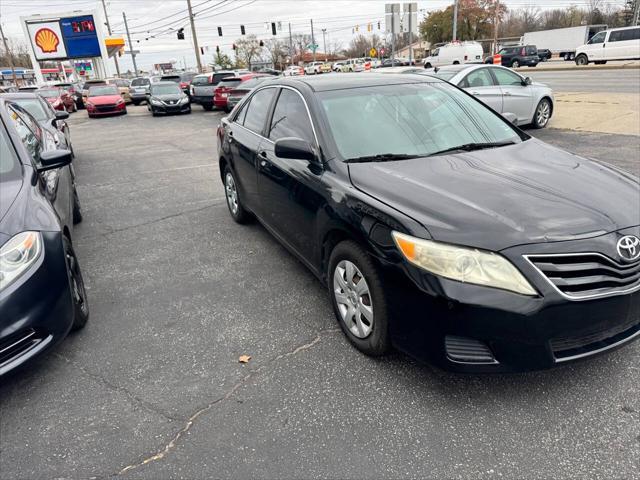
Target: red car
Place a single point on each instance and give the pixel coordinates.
(221, 93)
(58, 98)
(105, 100)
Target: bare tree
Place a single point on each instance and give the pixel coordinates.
(247, 50)
(277, 51)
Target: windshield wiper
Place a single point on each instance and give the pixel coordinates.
(382, 157)
(470, 147)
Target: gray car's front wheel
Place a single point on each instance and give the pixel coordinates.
(543, 113)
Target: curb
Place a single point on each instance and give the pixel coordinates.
(580, 69)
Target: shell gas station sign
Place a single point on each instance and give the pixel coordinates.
(46, 40)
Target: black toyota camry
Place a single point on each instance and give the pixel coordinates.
(42, 294)
(438, 227)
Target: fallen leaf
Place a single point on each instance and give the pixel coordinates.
(244, 358)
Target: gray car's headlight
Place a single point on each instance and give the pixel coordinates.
(17, 255)
(155, 102)
(184, 100)
(464, 264)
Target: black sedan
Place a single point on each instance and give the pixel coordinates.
(42, 294)
(167, 97)
(438, 226)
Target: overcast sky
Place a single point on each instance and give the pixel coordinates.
(149, 18)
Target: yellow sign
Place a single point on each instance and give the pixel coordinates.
(373, 52)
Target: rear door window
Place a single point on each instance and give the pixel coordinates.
(478, 78)
(216, 77)
(258, 109)
(204, 80)
(290, 118)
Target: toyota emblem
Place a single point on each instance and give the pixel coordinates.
(629, 248)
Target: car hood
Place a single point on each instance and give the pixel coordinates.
(530, 192)
(105, 99)
(170, 96)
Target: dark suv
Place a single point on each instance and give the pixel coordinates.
(519, 56)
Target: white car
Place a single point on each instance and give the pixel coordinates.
(614, 44)
(454, 53)
(353, 65)
(507, 92)
(313, 68)
(293, 71)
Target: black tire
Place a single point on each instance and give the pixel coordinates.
(77, 209)
(456, 62)
(582, 60)
(537, 123)
(427, 65)
(377, 342)
(136, 102)
(188, 111)
(78, 291)
(515, 64)
(236, 210)
(207, 106)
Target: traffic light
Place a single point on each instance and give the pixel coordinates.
(181, 34)
(219, 31)
(378, 25)
(217, 48)
(273, 28)
(234, 46)
(241, 29)
(261, 43)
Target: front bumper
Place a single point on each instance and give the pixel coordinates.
(106, 110)
(470, 328)
(37, 310)
(171, 108)
(220, 102)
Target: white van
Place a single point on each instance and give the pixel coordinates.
(454, 53)
(614, 44)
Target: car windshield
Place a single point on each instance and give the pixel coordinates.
(229, 82)
(415, 120)
(51, 93)
(34, 107)
(165, 89)
(140, 82)
(103, 90)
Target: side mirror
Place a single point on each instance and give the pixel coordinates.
(510, 117)
(527, 81)
(52, 159)
(295, 148)
(62, 114)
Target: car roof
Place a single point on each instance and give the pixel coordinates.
(354, 80)
(459, 68)
(164, 83)
(18, 96)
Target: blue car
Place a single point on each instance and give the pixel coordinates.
(42, 294)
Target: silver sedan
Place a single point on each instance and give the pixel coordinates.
(507, 92)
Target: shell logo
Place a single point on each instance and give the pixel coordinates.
(47, 40)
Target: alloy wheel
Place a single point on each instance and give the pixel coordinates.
(231, 193)
(353, 297)
(543, 113)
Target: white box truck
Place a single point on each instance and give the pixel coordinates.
(562, 41)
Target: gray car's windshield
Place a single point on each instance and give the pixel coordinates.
(167, 89)
(416, 120)
(34, 107)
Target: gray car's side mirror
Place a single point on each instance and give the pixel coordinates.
(53, 159)
(295, 148)
(527, 81)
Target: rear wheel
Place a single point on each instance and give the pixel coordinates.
(515, 64)
(582, 60)
(427, 65)
(358, 298)
(78, 292)
(237, 211)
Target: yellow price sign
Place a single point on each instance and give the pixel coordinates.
(373, 52)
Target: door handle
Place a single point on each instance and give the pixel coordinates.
(507, 94)
(263, 159)
(475, 93)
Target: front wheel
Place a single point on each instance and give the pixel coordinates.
(543, 113)
(358, 298)
(78, 291)
(582, 60)
(237, 211)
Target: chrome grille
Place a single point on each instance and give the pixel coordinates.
(587, 275)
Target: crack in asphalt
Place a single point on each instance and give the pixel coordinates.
(117, 388)
(160, 454)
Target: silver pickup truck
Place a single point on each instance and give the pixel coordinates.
(202, 86)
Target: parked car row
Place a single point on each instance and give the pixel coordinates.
(42, 292)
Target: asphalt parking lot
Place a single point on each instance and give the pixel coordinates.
(152, 388)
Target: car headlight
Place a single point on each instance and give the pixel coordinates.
(184, 100)
(155, 102)
(17, 255)
(463, 264)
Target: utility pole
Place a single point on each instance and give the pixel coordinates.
(106, 18)
(195, 38)
(496, 7)
(324, 43)
(9, 55)
(636, 13)
(290, 44)
(313, 42)
(410, 34)
(455, 20)
(131, 51)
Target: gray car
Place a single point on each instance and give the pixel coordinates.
(139, 89)
(504, 90)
